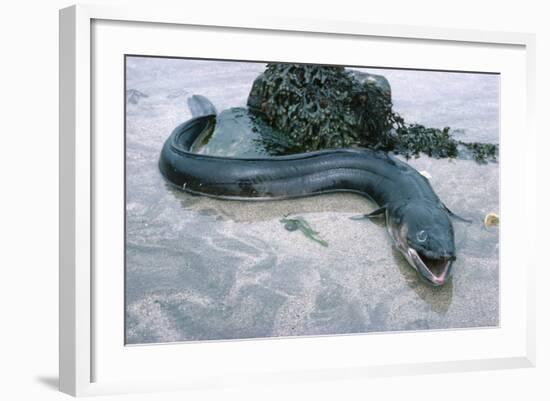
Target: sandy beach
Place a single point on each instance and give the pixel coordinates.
(203, 269)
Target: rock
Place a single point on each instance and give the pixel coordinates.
(321, 107)
(377, 80)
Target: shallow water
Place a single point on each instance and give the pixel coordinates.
(203, 269)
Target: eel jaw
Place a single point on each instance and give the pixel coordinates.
(435, 271)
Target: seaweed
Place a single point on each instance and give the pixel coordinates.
(299, 223)
(482, 152)
(319, 107)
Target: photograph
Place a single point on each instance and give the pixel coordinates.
(269, 199)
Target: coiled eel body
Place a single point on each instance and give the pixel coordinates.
(417, 220)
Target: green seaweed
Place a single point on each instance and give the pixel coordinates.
(299, 223)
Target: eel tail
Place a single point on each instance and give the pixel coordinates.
(200, 106)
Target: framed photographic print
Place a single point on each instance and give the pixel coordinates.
(272, 200)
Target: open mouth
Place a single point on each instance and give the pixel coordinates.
(436, 271)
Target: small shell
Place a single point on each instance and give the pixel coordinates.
(491, 219)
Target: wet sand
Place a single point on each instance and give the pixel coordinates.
(204, 269)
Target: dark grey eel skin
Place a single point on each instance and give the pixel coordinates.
(417, 221)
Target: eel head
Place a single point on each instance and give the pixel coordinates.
(423, 232)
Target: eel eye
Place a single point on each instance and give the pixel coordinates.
(421, 236)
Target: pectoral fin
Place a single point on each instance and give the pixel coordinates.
(456, 216)
(380, 212)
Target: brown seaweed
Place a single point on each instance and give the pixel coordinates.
(319, 107)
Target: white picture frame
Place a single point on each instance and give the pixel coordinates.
(85, 331)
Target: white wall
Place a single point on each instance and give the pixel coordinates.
(28, 205)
